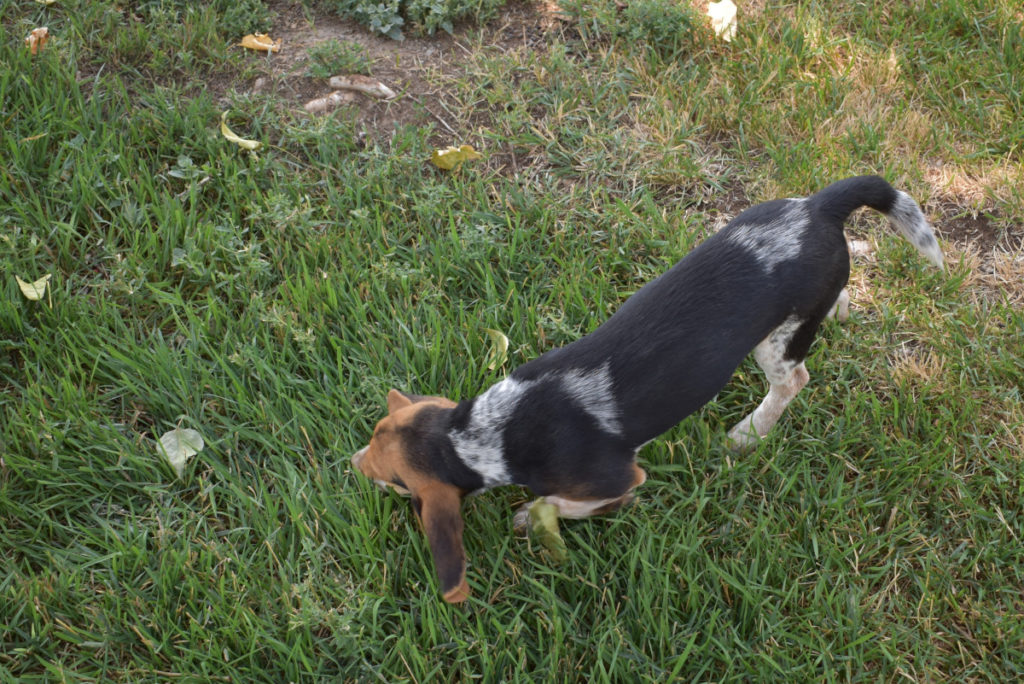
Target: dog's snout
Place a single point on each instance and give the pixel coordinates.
(357, 457)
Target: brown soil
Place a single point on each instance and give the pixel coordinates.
(979, 231)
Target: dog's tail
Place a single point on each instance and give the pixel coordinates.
(841, 198)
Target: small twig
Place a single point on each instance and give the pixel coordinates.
(439, 119)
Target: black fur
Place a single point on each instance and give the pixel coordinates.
(549, 441)
(676, 342)
(427, 446)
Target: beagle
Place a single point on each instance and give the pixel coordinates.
(568, 425)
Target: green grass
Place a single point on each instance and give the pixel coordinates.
(270, 301)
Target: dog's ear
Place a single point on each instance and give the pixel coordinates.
(437, 506)
(397, 400)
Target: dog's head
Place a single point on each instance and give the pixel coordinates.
(398, 456)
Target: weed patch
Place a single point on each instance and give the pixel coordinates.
(393, 17)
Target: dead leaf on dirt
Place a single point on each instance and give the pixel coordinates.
(251, 145)
(261, 42)
(36, 40)
(322, 104)
(362, 84)
(452, 157)
(35, 290)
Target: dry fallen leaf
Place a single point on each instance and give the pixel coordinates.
(452, 157)
(251, 145)
(499, 349)
(322, 104)
(363, 84)
(36, 40)
(552, 14)
(34, 291)
(723, 19)
(262, 42)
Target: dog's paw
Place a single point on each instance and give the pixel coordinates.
(744, 437)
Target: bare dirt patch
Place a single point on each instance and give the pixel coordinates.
(993, 254)
(415, 68)
(966, 229)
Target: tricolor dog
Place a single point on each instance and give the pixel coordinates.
(568, 424)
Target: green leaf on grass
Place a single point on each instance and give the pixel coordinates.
(544, 528)
(34, 291)
(179, 445)
(499, 349)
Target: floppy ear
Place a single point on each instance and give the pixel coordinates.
(437, 505)
(397, 400)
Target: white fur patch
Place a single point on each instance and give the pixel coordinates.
(569, 508)
(785, 376)
(480, 445)
(770, 353)
(593, 391)
(778, 240)
(907, 218)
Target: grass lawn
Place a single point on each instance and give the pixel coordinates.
(269, 301)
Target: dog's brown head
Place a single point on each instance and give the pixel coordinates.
(393, 459)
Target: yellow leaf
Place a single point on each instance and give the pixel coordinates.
(47, 2)
(230, 135)
(34, 291)
(452, 157)
(262, 42)
(499, 349)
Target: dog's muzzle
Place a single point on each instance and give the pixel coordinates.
(357, 457)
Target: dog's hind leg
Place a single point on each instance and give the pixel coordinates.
(841, 309)
(786, 377)
(572, 507)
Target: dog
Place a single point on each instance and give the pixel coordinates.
(568, 424)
